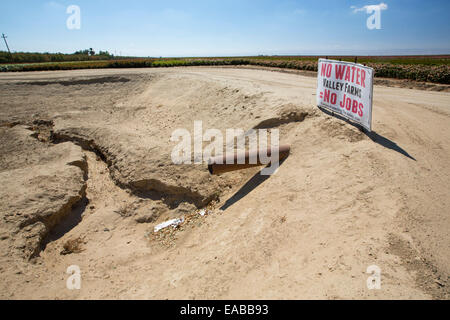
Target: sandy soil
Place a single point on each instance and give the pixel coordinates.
(86, 174)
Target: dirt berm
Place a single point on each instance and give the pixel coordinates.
(86, 174)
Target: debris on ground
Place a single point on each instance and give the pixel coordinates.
(204, 212)
(72, 246)
(174, 223)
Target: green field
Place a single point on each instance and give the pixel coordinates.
(419, 68)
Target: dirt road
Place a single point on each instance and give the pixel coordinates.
(86, 157)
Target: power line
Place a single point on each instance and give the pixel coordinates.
(4, 38)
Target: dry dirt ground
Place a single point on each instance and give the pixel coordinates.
(86, 174)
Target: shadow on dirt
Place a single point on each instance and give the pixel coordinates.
(252, 184)
(385, 142)
(375, 137)
(67, 223)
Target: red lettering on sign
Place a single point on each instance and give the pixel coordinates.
(340, 70)
(323, 69)
(361, 107)
(329, 69)
(347, 75)
(333, 98)
(326, 96)
(363, 78)
(348, 104)
(355, 106)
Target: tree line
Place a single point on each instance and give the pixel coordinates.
(32, 57)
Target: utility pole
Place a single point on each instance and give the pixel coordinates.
(4, 38)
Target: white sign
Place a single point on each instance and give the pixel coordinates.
(347, 89)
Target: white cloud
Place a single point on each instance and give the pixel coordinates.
(370, 8)
(54, 5)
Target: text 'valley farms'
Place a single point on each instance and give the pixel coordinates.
(347, 89)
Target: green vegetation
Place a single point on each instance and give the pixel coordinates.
(420, 68)
(35, 57)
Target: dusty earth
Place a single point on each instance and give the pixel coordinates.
(86, 174)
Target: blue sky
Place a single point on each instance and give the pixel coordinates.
(227, 27)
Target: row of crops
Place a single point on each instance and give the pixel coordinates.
(430, 72)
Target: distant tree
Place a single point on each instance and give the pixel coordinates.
(83, 52)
